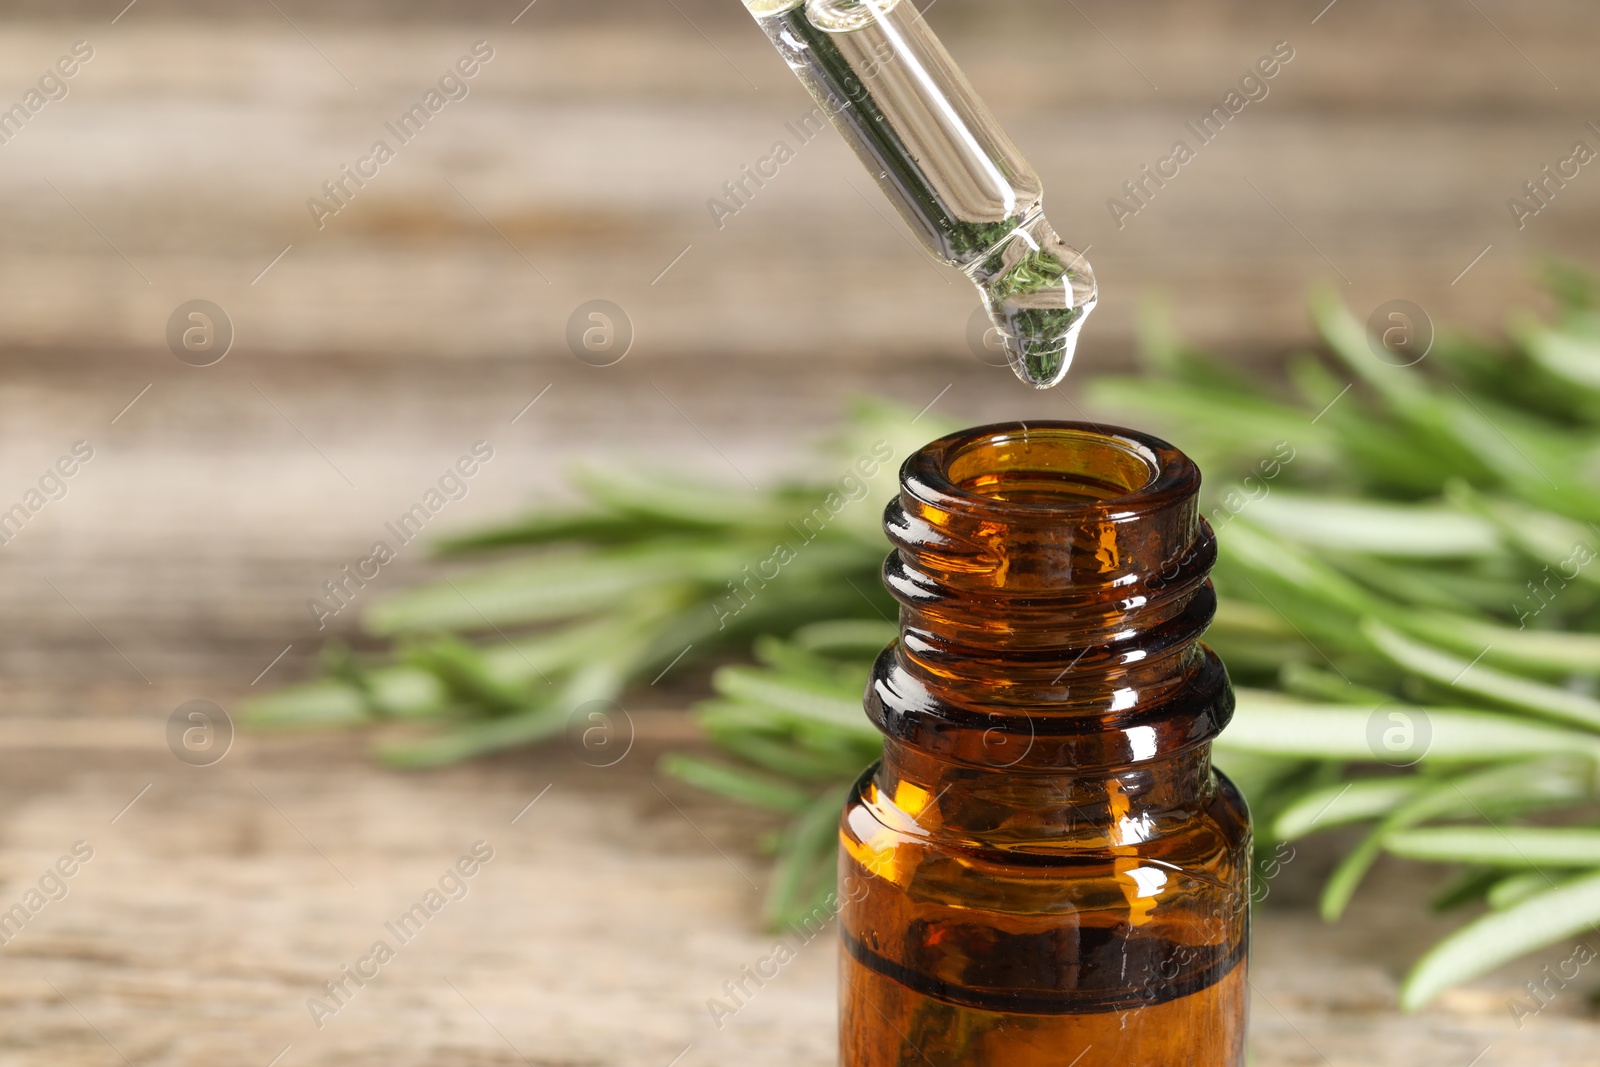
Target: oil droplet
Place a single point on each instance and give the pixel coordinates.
(1038, 290)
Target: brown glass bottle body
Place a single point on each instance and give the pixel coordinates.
(1045, 869)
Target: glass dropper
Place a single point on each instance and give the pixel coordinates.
(878, 72)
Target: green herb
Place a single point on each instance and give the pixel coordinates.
(1435, 606)
(650, 570)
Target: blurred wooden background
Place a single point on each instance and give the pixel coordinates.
(580, 164)
(429, 312)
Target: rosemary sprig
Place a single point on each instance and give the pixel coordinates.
(569, 606)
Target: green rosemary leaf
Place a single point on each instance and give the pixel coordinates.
(717, 717)
(781, 755)
(1260, 776)
(549, 588)
(1348, 341)
(797, 664)
(1548, 701)
(1239, 618)
(1527, 651)
(477, 738)
(1510, 846)
(1511, 889)
(1414, 584)
(1257, 660)
(1318, 386)
(1341, 805)
(324, 703)
(1444, 426)
(819, 738)
(823, 906)
(1354, 865)
(1264, 560)
(1532, 458)
(1270, 784)
(1397, 530)
(1314, 683)
(1474, 884)
(525, 659)
(847, 744)
(580, 525)
(1392, 459)
(1254, 639)
(1226, 427)
(401, 692)
(808, 841)
(1165, 354)
(802, 600)
(1578, 288)
(761, 791)
(673, 500)
(1503, 935)
(1485, 794)
(1571, 498)
(821, 704)
(1561, 547)
(1271, 724)
(465, 674)
(861, 637)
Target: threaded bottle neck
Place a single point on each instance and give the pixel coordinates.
(1053, 583)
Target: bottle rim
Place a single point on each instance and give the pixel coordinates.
(1149, 472)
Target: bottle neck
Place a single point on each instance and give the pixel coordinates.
(1053, 587)
(1095, 808)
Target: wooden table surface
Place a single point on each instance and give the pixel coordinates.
(417, 322)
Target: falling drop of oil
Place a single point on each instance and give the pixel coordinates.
(1038, 290)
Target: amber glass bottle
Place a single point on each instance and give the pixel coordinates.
(1045, 869)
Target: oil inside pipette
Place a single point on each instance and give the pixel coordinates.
(1038, 290)
(963, 186)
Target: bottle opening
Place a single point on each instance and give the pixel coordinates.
(1052, 467)
(1048, 509)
